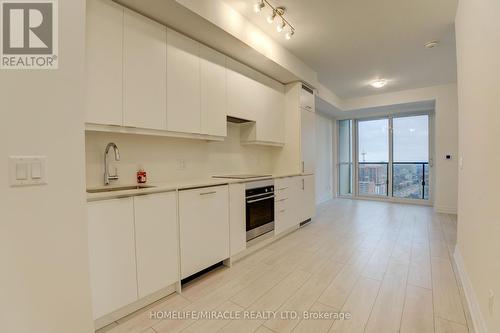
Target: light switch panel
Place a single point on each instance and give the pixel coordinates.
(27, 170)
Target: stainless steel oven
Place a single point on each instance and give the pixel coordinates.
(259, 208)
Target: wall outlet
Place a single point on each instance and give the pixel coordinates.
(181, 165)
(491, 301)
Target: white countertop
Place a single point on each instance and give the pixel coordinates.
(158, 187)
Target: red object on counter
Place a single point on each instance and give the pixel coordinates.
(141, 176)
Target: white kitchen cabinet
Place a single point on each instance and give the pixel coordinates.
(256, 97)
(144, 72)
(111, 254)
(242, 92)
(156, 241)
(308, 141)
(237, 218)
(213, 92)
(204, 228)
(307, 99)
(104, 44)
(183, 84)
(286, 201)
(307, 198)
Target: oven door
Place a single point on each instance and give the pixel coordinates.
(260, 215)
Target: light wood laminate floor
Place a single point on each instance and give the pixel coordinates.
(388, 265)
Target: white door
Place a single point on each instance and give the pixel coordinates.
(213, 92)
(204, 228)
(308, 141)
(183, 84)
(144, 72)
(104, 46)
(111, 254)
(156, 241)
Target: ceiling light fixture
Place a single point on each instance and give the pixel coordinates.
(258, 6)
(278, 12)
(431, 44)
(378, 83)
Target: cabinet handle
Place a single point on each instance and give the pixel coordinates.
(207, 193)
(282, 200)
(283, 188)
(282, 211)
(302, 166)
(303, 185)
(257, 200)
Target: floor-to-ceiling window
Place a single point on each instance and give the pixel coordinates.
(345, 170)
(373, 157)
(410, 176)
(391, 156)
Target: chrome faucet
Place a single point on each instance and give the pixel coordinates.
(107, 177)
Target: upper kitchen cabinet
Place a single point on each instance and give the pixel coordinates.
(183, 84)
(213, 92)
(255, 97)
(103, 102)
(144, 72)
(307, 98)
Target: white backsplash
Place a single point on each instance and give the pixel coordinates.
(167, 159)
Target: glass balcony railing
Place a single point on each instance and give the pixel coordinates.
(410, 180)
(373, 178)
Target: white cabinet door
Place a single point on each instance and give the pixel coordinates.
(271, 115)
(237, 218)
(308, 141)
(104, 44)
(111, 255)
(284, 204)
(307, 198)
(183, 84)
(144, 72)
(213, 92)
(156, 241)
(307, 99)
(204, 228)
(242, 92)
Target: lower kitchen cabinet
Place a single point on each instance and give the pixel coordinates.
(111, 254)
(156, 242)
(307, 198)
(294, 201)
(204, 228)
(133, 249)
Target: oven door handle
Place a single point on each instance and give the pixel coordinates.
(260, 199)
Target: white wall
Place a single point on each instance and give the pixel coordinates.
(446, 135)
(478, 51)
(44, 279)
(324, 158)
(161, 157)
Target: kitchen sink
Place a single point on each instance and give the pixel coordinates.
(118, 188)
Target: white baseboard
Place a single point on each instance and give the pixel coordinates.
(478, 323)
(445, 210)
(324, 198)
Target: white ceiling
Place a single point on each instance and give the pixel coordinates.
(351, 42)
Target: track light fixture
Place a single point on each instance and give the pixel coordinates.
(276, 11)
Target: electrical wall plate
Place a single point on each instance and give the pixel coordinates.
(27, 170)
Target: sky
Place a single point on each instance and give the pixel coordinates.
(411, 139)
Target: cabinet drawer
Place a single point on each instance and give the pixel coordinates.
(204, 228)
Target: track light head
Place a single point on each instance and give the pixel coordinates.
(281, 26)
(258, 6)
(270, 18)
(289, 34)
